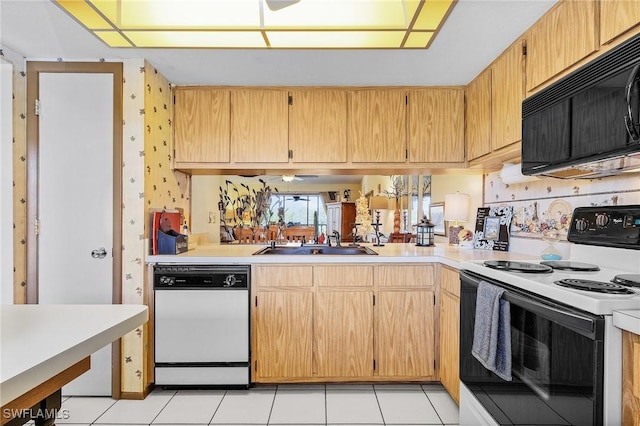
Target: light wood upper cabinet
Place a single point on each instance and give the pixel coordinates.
(259, 126)
(202, 125)
(405, 333)
(562, 37)
(436, 125)
(344, 334)
(478, 116)
(450, 331)
(507, 85)
(318, 126)
(377, 126)
(284, 334)
(617, 16)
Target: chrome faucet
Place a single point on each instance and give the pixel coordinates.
(336, 234)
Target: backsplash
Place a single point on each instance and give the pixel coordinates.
(546, 205)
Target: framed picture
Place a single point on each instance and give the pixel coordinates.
(436, 215)
(492, 228)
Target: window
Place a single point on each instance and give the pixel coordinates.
(300, 209)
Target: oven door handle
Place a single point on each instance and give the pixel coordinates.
(583, 324)
(567, 319)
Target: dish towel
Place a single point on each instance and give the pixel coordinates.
(492, 331)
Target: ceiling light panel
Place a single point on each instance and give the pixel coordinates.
(331, 24)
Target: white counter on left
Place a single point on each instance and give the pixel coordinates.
(39, 341)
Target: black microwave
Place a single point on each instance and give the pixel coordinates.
(586, 125)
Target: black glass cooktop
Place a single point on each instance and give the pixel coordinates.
(595, 286)
(508, 265)
(567, 265)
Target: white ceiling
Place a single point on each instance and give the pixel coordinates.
(475, 33)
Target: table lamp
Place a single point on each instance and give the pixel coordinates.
(456, 209)
(378, 203)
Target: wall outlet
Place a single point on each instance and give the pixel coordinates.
(212, 217)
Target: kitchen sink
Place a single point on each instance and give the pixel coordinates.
(315, 249)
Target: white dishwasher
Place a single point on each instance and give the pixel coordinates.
(202, 325)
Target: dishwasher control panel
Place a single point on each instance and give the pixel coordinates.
(201, 276)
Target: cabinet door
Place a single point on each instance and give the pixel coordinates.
(347, 220)
(284, 334)
(630, 378)
(344, 333)
(318, 126)
(259, 126)
(562, 37)
(450, 331)
(377, 126)
(507, 82)
(436, 125)
(478, 116)
(405, 333)
(617, 16)
(201, 125)
(333, 218)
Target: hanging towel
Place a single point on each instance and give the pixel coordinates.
(492, 331)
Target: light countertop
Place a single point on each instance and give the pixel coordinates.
(390, 253)
(628, 320)
(39, 341)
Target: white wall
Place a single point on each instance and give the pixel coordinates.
(6, 184)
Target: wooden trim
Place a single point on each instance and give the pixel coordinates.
(39, 393)
(137, 395)
(33, 138)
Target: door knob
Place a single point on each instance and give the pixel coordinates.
(99, 253)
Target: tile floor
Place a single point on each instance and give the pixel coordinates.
(271, 405)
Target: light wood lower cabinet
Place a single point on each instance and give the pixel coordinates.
(450, 331)
(343, 334)
(405, 340)
(630, 379)
(361, 322)
(284, 330)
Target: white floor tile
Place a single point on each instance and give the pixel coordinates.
(299, 405)
(445, 406)
(79, 409)
(251, 406)
(352, 404)
(191, 407)
(130, 412)
(406, 406)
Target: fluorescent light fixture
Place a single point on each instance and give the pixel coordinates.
(276, 24)
(288, 178)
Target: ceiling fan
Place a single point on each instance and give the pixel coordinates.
(298, 178)
(279, 4)
(298, 198)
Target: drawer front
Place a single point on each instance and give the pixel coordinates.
(282, 276)
(343, 276)
(450, 280)
(404, 276)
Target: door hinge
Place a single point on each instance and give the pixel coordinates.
(290, 154)
(36, 227)
(36, 107)
(290, 100)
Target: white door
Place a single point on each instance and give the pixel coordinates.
(75, 202)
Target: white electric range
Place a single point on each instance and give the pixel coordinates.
(606, 242)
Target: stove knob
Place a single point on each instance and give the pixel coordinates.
(582, 225)
(602, 220)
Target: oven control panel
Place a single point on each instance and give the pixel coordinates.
(612, 226)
